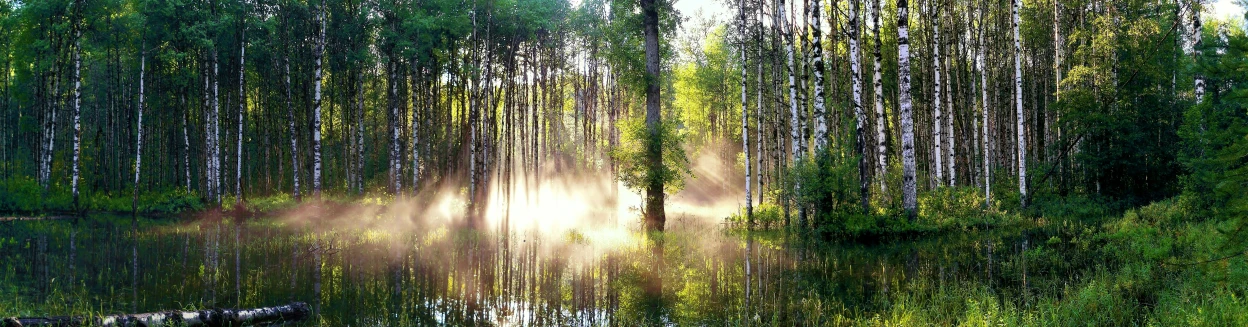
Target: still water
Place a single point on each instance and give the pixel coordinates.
(378, 275)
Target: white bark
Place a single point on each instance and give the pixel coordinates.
(359, 134)
(77, 77)
(909, 192)
(242, 108)
(415, 136)
(216, 136)
(820, 115)
(860, 118)
(395, 167)
(983, 90)
(1199, 79)
(793, 117)
(881, 149)
(186, 144)
(294, 140)
(138, 152)
(318, 56)
(745, 118)
(938, 154)
(1018, 106)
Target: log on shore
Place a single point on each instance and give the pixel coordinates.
(210, 318)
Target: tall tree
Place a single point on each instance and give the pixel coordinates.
(77, 105)
(1196, 37)
(938, 154)
(318, 55)
(909, 193)
(816, 51)
(860, 139)
(655, 217)
(138, 150)
(983, 91)
(881, 150)
(242, 107)
(294, 139)
(745, 114)
(1020, 131)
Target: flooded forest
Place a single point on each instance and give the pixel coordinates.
(623, 163)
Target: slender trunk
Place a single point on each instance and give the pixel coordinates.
(881, 150)
(415, 135)
(317, 56)
(745, 118)
(909, 195)
(294, 139)
(77, 112)
(216, 135)
(816, 51)
(138, 152)
(655, 217)
(1199, 90)
(983, 89)
(395, 168)
(938, 154)
(186, 142)
(359, 133)
(242, 108)
(860, 118)
(1021, 129)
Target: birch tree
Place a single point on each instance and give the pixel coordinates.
(242, 108)
(881, 151)
(1199, 91)
(318, 54)
(909, 191)
(816, 52)
(938, 154)
(1018, 108)
(855, 68)
(138, 152)
(983, 91)
(294, 139)
(745, 129)
(77, 78)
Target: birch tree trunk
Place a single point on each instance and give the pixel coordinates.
(938, 154)
(242, 108)
(395, 169)
(138, 152)
(415, 136)
(186, 142)
(1020, 131)
(359, 134)
(745, 118)
(909, 192)
(294, 139)
(77, 77)
(860, 118)
(1199, 91)
(788, 47)
(216, 135)
(983, 91)
(317, 56)
(816, 35)
(881, 150)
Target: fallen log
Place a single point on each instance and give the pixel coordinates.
(209, 318)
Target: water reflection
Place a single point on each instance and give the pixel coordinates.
(442, 276)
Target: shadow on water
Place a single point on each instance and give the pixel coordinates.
(442, 276)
